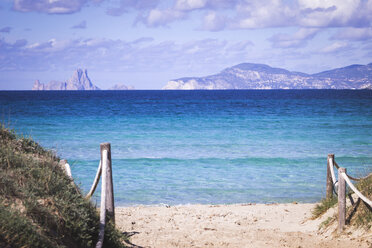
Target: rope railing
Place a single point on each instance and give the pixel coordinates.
(343, 179)
(353, 178)
(356, 191)
(95, 182)
(107, 209)
(102, 219)
(334, 181)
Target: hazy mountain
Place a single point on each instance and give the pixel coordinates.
(121, 87)
(78, 81)
(260, 76)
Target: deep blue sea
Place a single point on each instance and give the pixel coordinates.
(180, 147)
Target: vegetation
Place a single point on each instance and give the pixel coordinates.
(39, 206)
(323, 206)
(361, 217)
(327, 222)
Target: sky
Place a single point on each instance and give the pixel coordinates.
(146, 43)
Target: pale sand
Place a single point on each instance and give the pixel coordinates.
(239, 225)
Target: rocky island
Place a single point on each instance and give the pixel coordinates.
(260, 76)
(78, 81)
(121, 87)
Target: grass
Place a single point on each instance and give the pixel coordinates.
(39, 207)
(326, 223)
(363, 215)
(323, 206)
(361, 218)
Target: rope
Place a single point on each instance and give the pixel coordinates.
(334, 187)
(95, 182)
(365, 199)
(332, 171)
(337, 167)
(102, 219)
(354, 178)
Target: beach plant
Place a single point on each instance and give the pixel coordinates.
(327, 222)
(323, 206)
(360, 216)
(39, 205)
(363, 215)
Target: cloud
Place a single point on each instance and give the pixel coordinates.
(253, 14)
(5, 30)
(335, 47)
(81, 25)
(51, 6)
(143, 40)
(162, 17)
(298, 39)
(143, 54)
(328, 13)
(190, 4)
(356, 34)
(303, 13)
(262, 13)
(214, 22)
(151, 13)
(128, 5)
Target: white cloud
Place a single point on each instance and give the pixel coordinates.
(358, 34)
(297, 39)
(328, 12)
(190, 4)
(127, 5)
(254, 14)
(106, 54)
(51, 6)
(263, 13)
(335, 47)
(214, 22)
(158, 17)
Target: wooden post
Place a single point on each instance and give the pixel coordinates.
(341, 200)
(110, 207)
(329, 189)
(102, 216)
(65, 167)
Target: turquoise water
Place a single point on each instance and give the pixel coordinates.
(179, 147)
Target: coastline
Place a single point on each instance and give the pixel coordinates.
(236, 225)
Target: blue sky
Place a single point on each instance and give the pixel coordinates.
(145, 43)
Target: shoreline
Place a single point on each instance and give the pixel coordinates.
(235, 225)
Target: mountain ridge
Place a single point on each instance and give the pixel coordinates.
(261, 76)
(78, 81)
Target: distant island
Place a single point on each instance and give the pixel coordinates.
(121, 87)
(78, 81)
(260, 76)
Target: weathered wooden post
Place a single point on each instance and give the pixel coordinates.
(329, 189)
(102, 216)
(341, 200)
(110, 207)
(65, 167)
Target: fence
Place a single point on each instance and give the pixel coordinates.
(107, 209)
(340, 184)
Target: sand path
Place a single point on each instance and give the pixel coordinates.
(239, 225)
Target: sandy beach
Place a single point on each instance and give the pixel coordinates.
(239, 225)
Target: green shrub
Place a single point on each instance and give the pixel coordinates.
(363, 215)
(39, 206)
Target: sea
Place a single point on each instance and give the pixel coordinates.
(201, 147)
